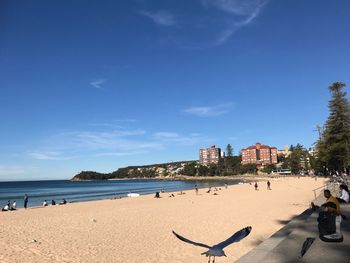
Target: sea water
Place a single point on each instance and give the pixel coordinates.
(77, 191)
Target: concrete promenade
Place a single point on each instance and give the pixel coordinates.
(286, 244)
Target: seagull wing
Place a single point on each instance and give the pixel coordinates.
(189, 241)
(236, 237)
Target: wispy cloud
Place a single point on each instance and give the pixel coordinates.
(213, 23)
(120, 153)
(68, 145)
(73, 144)
(246, 10)
(175, 138)
(166, 135)
(237, 7)
(48, 155)
(6, 170)
(97, 83)
(162, 18)
(116, 124)
(210, 111)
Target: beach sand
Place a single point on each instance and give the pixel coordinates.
(139, 229)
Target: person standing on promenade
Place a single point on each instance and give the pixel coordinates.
(268, 185)
(25, 201)
(256, 186)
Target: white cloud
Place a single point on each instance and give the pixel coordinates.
(210, 111)
(162, 18)
(97, 83)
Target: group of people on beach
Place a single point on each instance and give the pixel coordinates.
(53, 202)
(9, 207)
(268, 184)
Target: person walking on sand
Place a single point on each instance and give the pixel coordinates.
(268, 185)
(25, 201)
(196, 188)
(256, 186)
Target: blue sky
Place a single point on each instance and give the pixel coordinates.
(97, 85)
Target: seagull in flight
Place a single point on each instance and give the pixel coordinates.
(217, 250)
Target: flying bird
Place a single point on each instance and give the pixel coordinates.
(217, 250)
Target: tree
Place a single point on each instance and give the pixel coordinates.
(268, 168)
(203, 170)
(248, 169)
(190, 169)
(333, 147)
(298, 160)
(229, 150)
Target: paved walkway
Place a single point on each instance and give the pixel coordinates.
(285, 245)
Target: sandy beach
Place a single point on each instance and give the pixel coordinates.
(139, 229)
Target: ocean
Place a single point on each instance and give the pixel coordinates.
(78, 191)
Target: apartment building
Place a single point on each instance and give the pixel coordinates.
(259, 154)
(210, 155)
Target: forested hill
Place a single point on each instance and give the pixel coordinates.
(226, 167)
(145, 171)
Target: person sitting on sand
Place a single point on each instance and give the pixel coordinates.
(344, 194)
(6, 208)
(157, 195)
(53, 202)
(63, 202)
(13, 207)
(45, 203)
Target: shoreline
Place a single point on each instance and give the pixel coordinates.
(205, 178)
